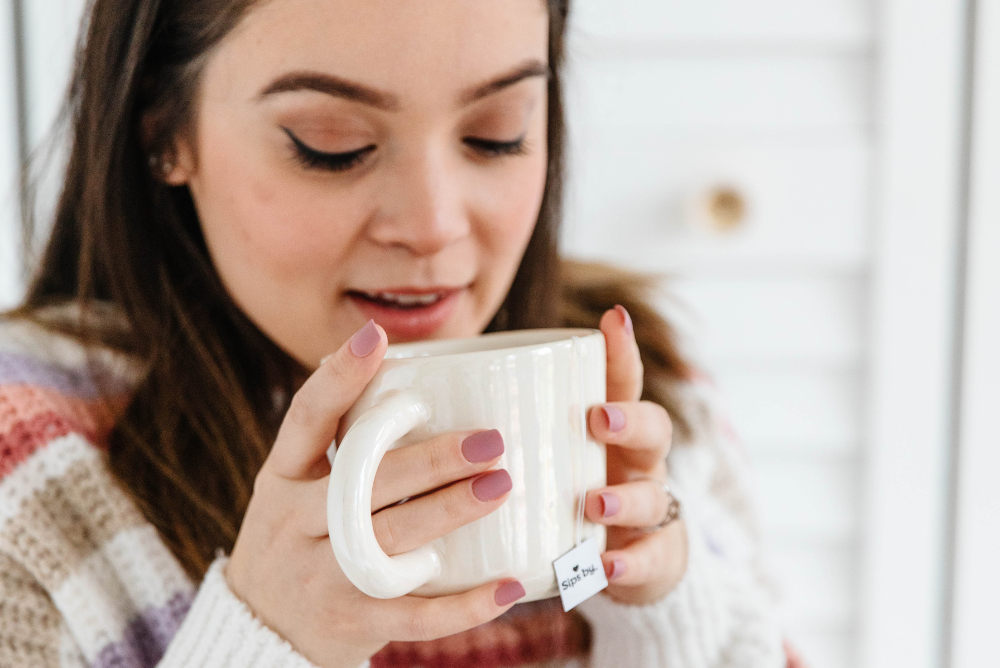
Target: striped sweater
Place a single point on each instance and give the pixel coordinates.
(85, 580)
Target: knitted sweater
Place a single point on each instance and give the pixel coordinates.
(85, 580)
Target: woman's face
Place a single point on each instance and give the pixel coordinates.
(345, 149)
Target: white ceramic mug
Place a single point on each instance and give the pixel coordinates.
(535, 387)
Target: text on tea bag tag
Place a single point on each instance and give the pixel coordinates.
(579, 572)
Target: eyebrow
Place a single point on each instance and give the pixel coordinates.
(355, 92)
(526, 70)
(331, 85)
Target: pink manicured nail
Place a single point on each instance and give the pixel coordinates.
(615, 417)
(492, 486)
(610, 504)
(365, 340)
(615, 569)
(509, 592)
(626, 318)
(483, 446)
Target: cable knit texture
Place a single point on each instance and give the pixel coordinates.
(85, 581)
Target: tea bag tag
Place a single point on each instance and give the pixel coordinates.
(580, 574)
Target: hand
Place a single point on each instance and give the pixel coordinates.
(642, 567)
(282, 564)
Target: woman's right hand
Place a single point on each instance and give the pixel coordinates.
(282, 564)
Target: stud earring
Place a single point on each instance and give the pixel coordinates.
(161, 164)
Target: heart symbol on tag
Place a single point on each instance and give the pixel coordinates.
(577, 567)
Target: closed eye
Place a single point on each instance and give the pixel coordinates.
(493, 149)
(332, 162)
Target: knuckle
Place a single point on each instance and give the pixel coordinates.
(302, 410)
(418, 628)
(662, 505)
(386, 532)
(335, 369)
(477, 613)
(455, 506)
(636, 374)
(664, 424)
(668, 426)
(438, 459)
(639, 566)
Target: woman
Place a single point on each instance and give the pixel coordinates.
(260, 197)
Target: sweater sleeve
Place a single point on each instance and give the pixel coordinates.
(220, 630)
(30, 629)
(720, 615)
(712, 620)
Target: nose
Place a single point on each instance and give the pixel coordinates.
(422, 207)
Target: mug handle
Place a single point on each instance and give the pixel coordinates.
(349, 501)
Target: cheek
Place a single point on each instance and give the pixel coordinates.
(257, 218)
(512, 205)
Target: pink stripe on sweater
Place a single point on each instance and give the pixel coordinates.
(27, 437)
(21, 403)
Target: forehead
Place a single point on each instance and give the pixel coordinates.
(417, 49)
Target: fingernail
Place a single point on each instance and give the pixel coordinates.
(610, 504)
(615, 417)
(365, 340)
(626, 319)
(483, 446)
(509, 592)
(615, 569)
(493, 485)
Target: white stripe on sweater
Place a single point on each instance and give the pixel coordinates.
(47, 463)
(20, 337)
(127, 576)
(69, 651)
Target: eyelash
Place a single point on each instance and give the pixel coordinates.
(331, 162)
(496, 149)
(341, 162)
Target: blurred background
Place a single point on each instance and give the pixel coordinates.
(819, 183)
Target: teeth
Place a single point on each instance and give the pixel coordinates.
(405, 300)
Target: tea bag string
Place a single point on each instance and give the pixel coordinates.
(578, 354)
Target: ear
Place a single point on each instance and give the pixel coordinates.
(171, 162)
(176, 165)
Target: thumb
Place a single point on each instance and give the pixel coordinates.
(311, 422)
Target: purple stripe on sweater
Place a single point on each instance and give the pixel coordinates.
(145, 639)
(81, 383)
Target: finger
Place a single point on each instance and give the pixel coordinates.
(624, 366)
(433, 463)
(412, 618)
(417, 522)
(311, 422)
(643, 428)
(657, 561)
(309, 512)
(632, 504)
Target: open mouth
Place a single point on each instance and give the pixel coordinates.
(403, 302)
(408, 314)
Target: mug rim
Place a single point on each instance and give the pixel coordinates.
(486, 344)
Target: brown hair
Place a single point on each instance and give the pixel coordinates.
(213, 387)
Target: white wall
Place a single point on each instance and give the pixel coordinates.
(773, 98)
(10, 225)
(977, 549)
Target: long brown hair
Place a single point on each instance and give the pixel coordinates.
(213, 388)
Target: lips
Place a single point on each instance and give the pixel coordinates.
(407, 314)
(403, 300)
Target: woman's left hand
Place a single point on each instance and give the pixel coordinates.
(642, 566)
